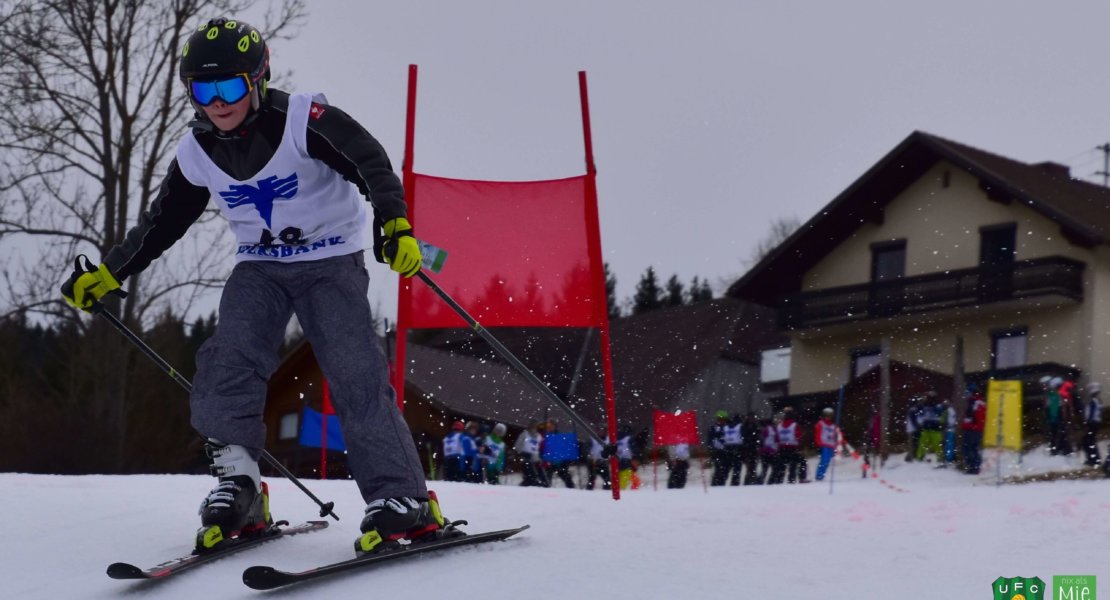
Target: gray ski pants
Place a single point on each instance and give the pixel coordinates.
(329, 299)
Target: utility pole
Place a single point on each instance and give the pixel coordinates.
(1105, 172)
(884, 401)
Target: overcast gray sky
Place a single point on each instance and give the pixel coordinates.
(713, 118)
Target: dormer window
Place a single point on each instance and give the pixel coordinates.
(888, 260)
(997, 244)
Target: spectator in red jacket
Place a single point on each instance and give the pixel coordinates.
(972, 426)
(1069, 399)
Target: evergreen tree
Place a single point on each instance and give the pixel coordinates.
(675, 292)
(611, 294)
(700, 290)
(202, 330)
(649, 296)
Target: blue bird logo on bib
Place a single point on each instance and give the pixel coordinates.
(263, 196)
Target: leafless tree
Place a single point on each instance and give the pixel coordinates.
(781, 228)
(92, 113)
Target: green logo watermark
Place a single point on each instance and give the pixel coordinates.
(1073, 587)
(1018, 588)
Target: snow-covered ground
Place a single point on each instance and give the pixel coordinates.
(948, 535)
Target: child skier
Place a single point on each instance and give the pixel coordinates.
(493, 454)
(827, 437)
(286, 171)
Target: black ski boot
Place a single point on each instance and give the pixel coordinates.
(239, 505)
(392, 519)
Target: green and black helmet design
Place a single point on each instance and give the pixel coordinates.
(224, 48)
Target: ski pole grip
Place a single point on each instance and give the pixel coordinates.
(83, 264)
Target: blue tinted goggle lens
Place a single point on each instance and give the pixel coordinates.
(229, 90)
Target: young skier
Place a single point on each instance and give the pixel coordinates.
(1092, 420)
(454, 453)
(597, 466)
(931, 429)
(826, 435)
(770, 466)
(973, 424)
(716, 442)
(678, 463)
(287, 172)
(527, 446)
(790, 455)
(493, 454)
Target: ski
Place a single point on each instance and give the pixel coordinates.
(268, 578)
(121, 570)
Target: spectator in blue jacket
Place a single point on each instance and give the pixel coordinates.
(472, 463)
(454, 459)
(559, 466)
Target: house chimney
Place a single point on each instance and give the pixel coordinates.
(1054, 168)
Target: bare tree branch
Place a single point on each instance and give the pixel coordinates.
(94, 110)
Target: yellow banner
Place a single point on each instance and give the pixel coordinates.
(1003, 411)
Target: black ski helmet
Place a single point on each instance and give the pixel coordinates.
(224, 48)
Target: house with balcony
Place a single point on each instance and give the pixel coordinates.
(969, 265)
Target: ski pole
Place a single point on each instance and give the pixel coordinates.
(98, 308)
(510, 357)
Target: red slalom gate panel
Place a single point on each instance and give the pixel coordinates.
(517, 253)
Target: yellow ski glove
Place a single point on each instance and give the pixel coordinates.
(401, 251)
(84, 288)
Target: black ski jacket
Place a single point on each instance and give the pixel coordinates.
(333, 138)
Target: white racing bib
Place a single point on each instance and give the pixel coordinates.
(295, 209)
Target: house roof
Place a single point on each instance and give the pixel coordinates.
(1081, 209)
(658, 354)
(655, 356)
(473, 386)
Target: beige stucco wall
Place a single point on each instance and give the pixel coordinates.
(1096, 303)
(941, 229)
(820, 362)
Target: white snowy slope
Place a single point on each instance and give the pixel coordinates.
(948, 535)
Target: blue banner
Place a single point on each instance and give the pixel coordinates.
(312, 427)
(560, 447)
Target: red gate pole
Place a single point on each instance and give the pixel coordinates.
(593, 241)
(404, 286)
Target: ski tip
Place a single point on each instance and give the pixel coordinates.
(124, 571)
(261, 578)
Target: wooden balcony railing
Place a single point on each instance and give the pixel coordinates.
(1047, 276)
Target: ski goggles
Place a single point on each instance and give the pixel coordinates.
(230, 90)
